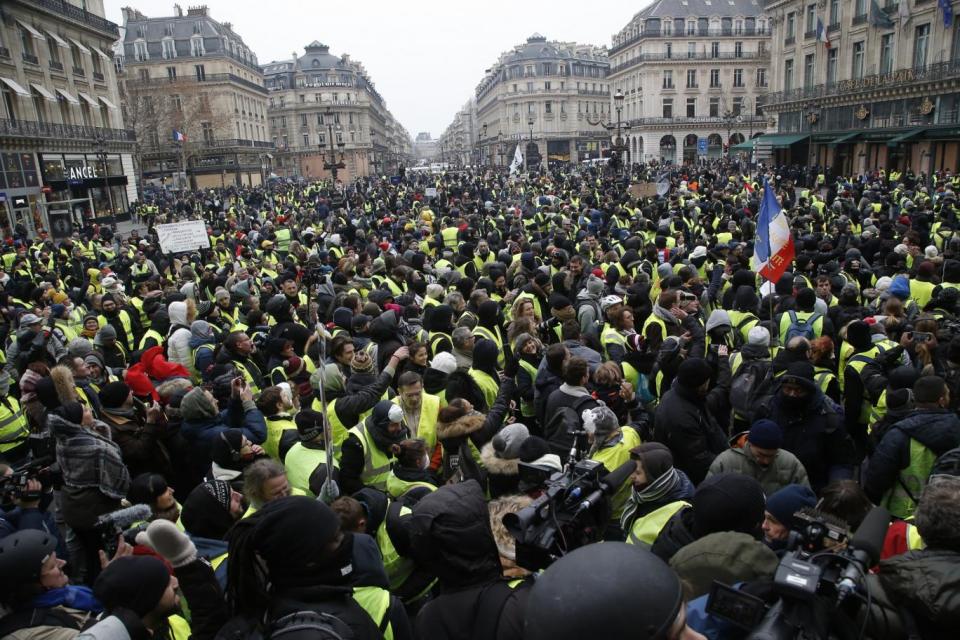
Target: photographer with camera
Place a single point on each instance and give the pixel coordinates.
(25, 497)
(203, 422)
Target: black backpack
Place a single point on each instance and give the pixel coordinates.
(751, 387)
(563, 424)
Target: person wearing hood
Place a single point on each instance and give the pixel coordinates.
(489, 328)
(451, 537)
(658, 491)
(279, 350)
(743, 315)
(126, 324)
(440, 325)
(331, 571)
(719, 331)
(385, 333)
(95, 478)
(501, 460)
(687, 418)
(181, 315)
(527, 353)
(462, 431)
(156, 334)
(484, 369)
(371, 447)
(813, 429)
(287, 327)
(589, 314)
(900, 465)
(203, 344)
(203, 421)
(856, 398)
(208, 513)
(112, 350)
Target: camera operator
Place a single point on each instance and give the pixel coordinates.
(26, 508)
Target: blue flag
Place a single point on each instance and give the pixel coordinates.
(947, 8)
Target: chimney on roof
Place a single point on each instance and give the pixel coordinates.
(178, 10)
(345, 58)
(199, 10)
(227, 25)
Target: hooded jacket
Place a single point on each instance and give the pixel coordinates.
(178, 344)
(926, 583)
(473, 428)
(200, 430)
(685, 422)
(385, 332)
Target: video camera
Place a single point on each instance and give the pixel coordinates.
(126, 522)
(572, 511)
(820, 583)
(14, 485)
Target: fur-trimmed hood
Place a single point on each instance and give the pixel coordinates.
(462, 426)
(496, 465)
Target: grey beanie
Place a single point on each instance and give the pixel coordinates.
(197, 406)
(595, 286)
(506, 444)
(79, 348)
(718, 318)
(106, 332)
(201, 329)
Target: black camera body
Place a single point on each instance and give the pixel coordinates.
(44, 469)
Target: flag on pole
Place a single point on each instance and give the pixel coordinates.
(904, 12)
(178, 136)
(879, 18)
(663, 184)
(773, 249)
(822, 34)
(517, 160)
(947, 7)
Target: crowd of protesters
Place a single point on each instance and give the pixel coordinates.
(325, 415)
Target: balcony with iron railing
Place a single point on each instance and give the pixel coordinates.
(56, 66)
(682, 33)
(745, 121)
(207, 78)
(64, 9)
(30, 58)
(897, 78)
(697, 56)
(238, 142)
(4, 52)
(858, 20)
(34, 129)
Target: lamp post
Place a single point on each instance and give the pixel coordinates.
(333, 165)
(101, 144)
(500, 149)
(812, 112)
(531, 144)
(618, 146)
(483, 136)
(728, 119)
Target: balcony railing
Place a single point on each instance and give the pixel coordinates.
(745, 122)
(64, 8)
(56, 66)
(682, 33)
(29, 57)
(210, 77)
(700, 55)
(98, 76)
(34, 129)
(79, 71)
(238, 142)
(789, 40)
(897, 78)
(834, 27)
(858, 20)
(809, 34)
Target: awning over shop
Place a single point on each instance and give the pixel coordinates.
(90, 101)
(68, 96)
(845, 138)
(907, 135)
(781, 140)
(20, 91)
(746, 145)
(43, 91)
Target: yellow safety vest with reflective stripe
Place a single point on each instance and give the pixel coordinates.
(246, 376)
(494, 336)
(449, 236)
(13, 425)
(427, 427)
(921, 292)
(275, 429)
(300, 464)
(338, 430)
(488, 386)
(376, 602)
(151, 333)
(376, 463)
(69, 333)
(653, 319)
(901, 499)
(435, 339)
(179, 628)
(645, 529)
(614, 455)
(786, 320)
(609, 336)
(396, 487)
(137, 304)
(283, 239)
(127, 326)
(857, 362)
(527, 408)
(397, 567)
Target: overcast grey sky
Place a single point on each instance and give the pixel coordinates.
(424, 56)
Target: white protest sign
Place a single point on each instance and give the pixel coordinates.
(179, 237)
(430, 192)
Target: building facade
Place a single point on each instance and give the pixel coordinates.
(65, 154)
(550, 97)
(193, 75)
(324, 108)
(694, 78)
(458, 145)
(884, 94)
(425, 148)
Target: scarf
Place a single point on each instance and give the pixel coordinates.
(652, 493)
(665, 315)
(73, 596)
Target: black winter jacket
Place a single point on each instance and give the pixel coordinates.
(685, 423)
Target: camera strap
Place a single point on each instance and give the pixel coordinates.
(490, 605)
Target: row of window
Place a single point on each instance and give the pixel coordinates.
(692, 50)
(921, 42)
(30, 51)
(693, 75)
(321, 120)
(92, 113)
(197, 48)
(557, 69)
(694, 26)
(739, 107)
(600, 108)
(549, 86)
(348, 98)
(833, 16)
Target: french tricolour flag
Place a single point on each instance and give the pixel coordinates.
(822, 34)
(773, 249)
(178, 136)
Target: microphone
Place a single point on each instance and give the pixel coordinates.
(123, 518)
(865, 547)
(610, 484)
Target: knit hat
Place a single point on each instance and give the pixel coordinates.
(445, 362)
(601, 421)
(309, 424)
(94, 359)
(765, 434)
(107, 332)
(728, 502)
(79, 348)
(201, 329)
(718, 318)
(655, 458)
(595, 286)
(361, 363)
(787, 501)
(693, 372)
(114, 394)
(758, 336)
(206, 511)
(858, 335)
(329, 376)
(204, 308)
(71, 412)
(196, 405)
(134, 582)
(56, 310)
(293, 366)
(507, 443)
(221, 293)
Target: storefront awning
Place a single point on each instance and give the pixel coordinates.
(100, 53)
(33, 30)
(66, 95)
(20, 91)
(42, 90)
(907, 135)
(90, 101)
(746, 145)
(845, 138)
(109, 104)
(781, 141)
(80, 46)
(60, 41)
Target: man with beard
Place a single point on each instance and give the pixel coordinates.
(125, 324)
(371, 447)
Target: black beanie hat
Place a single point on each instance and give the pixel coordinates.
(693, 372)
(135, 582)
(225, 449)
(533, 448)
(309, 424)
(71, 412)
(728, 502)
(858, 335)
(114, 394)
(806, 298)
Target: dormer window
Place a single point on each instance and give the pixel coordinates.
(169, 48)
(196, 46)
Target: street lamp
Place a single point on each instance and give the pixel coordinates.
(619, 148)
(101, 144)
(500, 148)
(333, 165)
(531, 145)
(483, 137)
(812, 112)
(728, 119)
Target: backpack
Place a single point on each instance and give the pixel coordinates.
(800, 327)
(563, 424)
(751, 387)
(738, 339)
